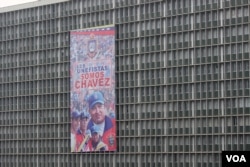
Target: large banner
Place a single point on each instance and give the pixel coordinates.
(92, 89)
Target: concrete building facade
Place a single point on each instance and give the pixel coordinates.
(182, 81)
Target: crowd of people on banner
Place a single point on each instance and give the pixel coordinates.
(102, 47)
(93, 126)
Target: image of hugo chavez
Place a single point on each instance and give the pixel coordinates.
(106, 124)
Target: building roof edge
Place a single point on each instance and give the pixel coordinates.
(29, 5)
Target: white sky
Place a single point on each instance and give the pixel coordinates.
(4, 3)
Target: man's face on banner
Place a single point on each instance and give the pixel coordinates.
(95, 137)
(75, 123)
(83, 124)
(97, 113)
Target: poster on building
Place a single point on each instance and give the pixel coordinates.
(92, 89)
